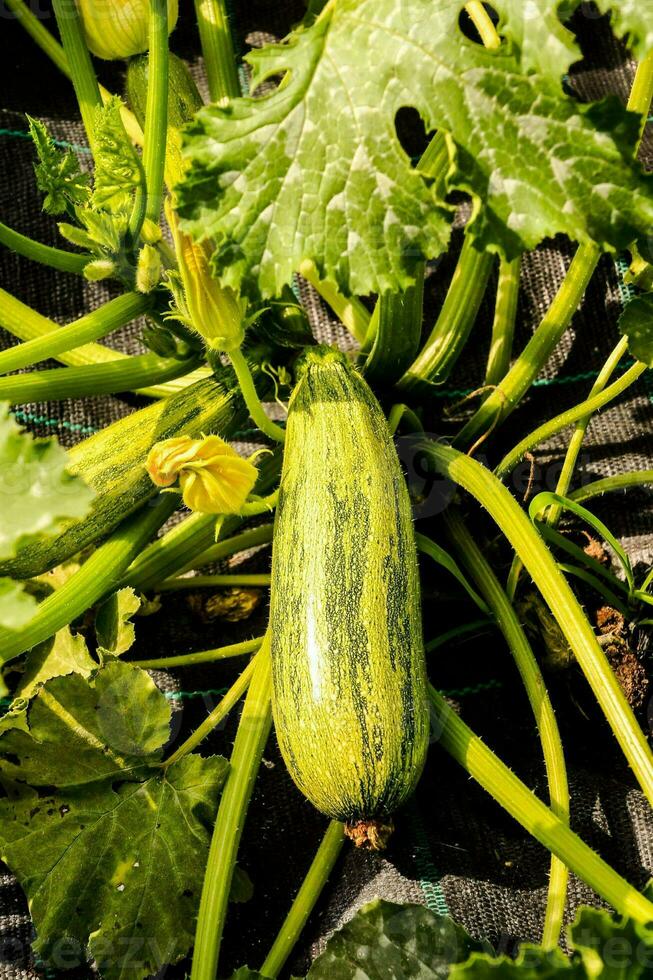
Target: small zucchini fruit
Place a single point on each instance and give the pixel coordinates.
(112, 462)
(349, 679)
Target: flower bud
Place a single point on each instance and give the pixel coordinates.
(214, 311)
(148, 269)
(213, 478)
(117, 29)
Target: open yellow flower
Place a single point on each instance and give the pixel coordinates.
(213, 478)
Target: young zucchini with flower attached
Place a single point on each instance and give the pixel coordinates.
(349, 680)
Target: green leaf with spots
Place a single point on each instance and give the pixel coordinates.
(37, 495)
(315, 170)
(64, 653)
(533, 963)
(113, 858)
(387, 940)
(636, 323)
(114, 629)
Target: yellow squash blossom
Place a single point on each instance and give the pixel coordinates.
(213, 478)
(117, 29)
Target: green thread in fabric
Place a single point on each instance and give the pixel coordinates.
(44, 420)
(429, 879)
(24, 135)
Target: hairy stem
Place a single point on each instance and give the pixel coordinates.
(506, 788)
(503, 328)
(508, 621)
(250, 396)
(156, 120)
(79, 63)
(214, 582)
(610, 484)
(217, 49)
(307, 896)
(556, 592)
(201, 657)
(251, 737)
(581, 411)
(92, 380)
(116, 313)
(55, 258)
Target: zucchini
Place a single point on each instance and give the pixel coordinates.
(349, 679)
(112, 463)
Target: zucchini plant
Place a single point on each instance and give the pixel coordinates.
(211, 221)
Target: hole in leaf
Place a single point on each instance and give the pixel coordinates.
(467, 26)
(411, 132)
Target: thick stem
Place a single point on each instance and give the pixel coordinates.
(202, 657)
(79, 63)
(454, 324)
(251, 737)
(506, 788)
(307, 896)
(483, 24)
(250, 396)
(508, 621)
(397, 329)
(219, 713)
(349, 310)
(92, 380)
(214, 582)
(586, 408)
(503, 328)
(610, 484)
(562, 602)
(217, 49)
(576, 442)
(98, 576)
(55, 258)
(116, 313)
(156, 117)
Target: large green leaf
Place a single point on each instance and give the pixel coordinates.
(113, 858)
(64, 653)
(315, 170)
(632, 17)
(636, 323)
(37, 495)
(16, 606)
(386, 940)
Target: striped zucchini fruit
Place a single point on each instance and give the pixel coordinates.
(112, 462)
(349, 679)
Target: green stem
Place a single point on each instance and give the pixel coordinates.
(543, 342)
(455, 322)
(349, 310)
(307, 896)
(252, 401)
(400, 413)
(217, 49)
(203, 657)
(213, 581)
(445, 560)
(507, 789)
(92, 380)
(508, 621)
(483, 24)
(98, 576)
(156, 120)
(79, 62)
(219, 713)
(56, 258)
(116, 313)
(264, 505)
(476, 626)
(505, 317)
(251, 737)
(581, 411)
(251, 538)
(397, 328)
(510, 391)
(576, 442)
(609, 484)
(556, 592)
(25, 324)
